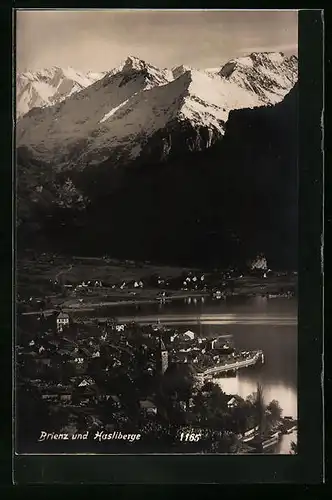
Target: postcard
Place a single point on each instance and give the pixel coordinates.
(157, 222)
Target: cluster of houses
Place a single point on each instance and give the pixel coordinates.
(97, 283)
(179, 347)
(57, 350)
(188, 347)
(81, 395)
(74, 390)
(194, 282)
(190, 281)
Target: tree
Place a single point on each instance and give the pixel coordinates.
(179, 381)
(210, 407)
(275, 411)
(258, 406)
(173, 389)
(242, 417)
(226, 443)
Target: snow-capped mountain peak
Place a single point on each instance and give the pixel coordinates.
(180, 70)
(154, 76)
(46, 87)
(257, 60)
(270, 75)
(134, 63)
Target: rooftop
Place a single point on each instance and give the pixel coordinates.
(63, 315)
(147, 404)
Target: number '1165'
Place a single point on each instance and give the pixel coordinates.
(189, 436)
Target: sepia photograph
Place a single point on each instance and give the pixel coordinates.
(156, 168)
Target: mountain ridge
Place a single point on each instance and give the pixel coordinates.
(120, 112)
(81, 79)
(165, 169)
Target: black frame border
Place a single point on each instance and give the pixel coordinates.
(305, 468)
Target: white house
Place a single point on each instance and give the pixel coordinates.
(62, 321)
(231, 403)
(190, 334)
(85, 382)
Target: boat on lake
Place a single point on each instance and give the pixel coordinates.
(265, 442)
(292, 429)
(250, 435)
(288, 425)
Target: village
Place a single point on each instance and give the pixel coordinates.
(49, 282)
(75, 377)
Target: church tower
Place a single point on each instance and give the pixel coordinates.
(162, 357)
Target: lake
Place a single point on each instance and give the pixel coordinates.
(255, 323)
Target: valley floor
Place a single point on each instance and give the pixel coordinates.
(48, 282)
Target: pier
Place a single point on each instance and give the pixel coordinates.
(236, 365)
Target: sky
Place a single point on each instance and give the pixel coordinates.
(100, 40)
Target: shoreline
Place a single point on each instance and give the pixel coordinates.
(90, 306)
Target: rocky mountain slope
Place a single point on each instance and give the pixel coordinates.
(179, 166)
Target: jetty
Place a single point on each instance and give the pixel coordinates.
(235, 365)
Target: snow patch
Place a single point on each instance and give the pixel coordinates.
(210, 100)
(212, 71)
(245, 61)
(276, 57)
(114, 110)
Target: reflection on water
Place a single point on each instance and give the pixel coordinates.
(205, 305)
(284, 446)
(243, 387)
(278, 374)
(267, 324)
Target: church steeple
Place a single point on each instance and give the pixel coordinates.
(162, 356)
